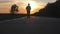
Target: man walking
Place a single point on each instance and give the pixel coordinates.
(28, 8)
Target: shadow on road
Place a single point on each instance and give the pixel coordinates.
(33, 25)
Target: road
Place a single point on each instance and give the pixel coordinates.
(32, 25)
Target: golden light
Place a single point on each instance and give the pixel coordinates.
(34, 6)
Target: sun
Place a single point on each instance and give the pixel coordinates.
(33, 5)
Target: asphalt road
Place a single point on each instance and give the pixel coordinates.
(32, 25)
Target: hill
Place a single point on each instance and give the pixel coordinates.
(51, 10)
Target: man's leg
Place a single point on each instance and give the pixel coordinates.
(28, 14)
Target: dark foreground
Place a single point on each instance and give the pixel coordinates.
(10, 16)
(34, 25)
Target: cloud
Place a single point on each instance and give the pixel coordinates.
(50, 1)
(47, 1)
(5, 1)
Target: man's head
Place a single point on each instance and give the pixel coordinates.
(28, 4)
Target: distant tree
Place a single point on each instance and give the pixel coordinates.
(14, 8)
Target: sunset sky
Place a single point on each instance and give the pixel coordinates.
(5, 5)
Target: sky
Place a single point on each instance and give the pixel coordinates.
(36, 5)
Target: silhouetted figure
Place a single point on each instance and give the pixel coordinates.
(14, 9)
(28, 8)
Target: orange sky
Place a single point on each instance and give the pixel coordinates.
(35, 5)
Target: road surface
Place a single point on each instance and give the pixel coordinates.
(32, 25)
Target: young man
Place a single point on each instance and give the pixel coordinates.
(28, 8)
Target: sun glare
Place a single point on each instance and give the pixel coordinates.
(33, 5)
